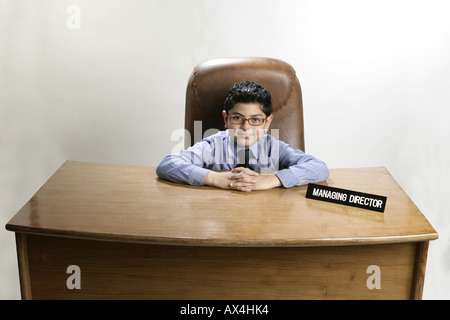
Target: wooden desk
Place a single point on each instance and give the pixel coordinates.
(136, 237)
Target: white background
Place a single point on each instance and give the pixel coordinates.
(375, 77)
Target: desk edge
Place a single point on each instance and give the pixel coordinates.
(215, 242)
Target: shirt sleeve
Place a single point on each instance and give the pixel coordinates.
(185, 166)
(298, 168)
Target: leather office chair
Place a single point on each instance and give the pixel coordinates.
(211, 80)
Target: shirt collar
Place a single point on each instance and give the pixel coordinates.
(233, 148)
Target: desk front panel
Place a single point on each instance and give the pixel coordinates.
(119, 270)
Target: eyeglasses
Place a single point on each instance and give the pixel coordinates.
(254, 121)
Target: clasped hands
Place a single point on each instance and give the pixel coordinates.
(242, 179)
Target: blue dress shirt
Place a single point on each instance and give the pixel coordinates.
(220, 152)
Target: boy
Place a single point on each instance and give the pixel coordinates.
(230, 159)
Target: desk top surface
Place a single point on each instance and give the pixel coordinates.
(129, 203)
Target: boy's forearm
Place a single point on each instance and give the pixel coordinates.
(217, 179)
(209, 179)
(268, 181)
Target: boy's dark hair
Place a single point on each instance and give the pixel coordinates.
(246, 92)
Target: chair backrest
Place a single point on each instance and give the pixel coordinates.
(211, 80)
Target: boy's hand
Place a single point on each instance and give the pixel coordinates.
(244, 179)
(229, 180)
(241, 179)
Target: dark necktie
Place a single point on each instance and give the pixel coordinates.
(244, 159)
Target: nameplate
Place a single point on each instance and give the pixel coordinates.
(346, 197)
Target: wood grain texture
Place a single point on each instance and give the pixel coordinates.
(129, 203)
(24, 266)
(137, 237)
(113, 270)
(419, 270)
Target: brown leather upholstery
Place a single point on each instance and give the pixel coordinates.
(209, 84)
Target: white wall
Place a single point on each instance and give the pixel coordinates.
(375, 77)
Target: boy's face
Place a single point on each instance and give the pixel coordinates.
(248, 132)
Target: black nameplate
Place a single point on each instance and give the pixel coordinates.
(346, 197)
